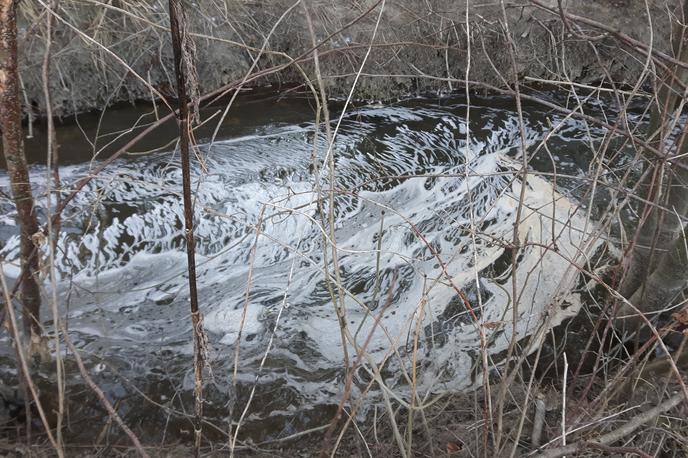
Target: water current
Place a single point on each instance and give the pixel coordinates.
(424, 199)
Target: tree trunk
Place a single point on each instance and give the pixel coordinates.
(658, 231)
(664, 259)
(658, 267)
(663, 225)
(13, 147)
(667, 280)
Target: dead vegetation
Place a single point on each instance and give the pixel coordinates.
(612, 382)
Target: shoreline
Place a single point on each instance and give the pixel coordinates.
(414, 51)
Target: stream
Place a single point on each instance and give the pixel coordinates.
(424, 200)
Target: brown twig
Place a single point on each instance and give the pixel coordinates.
(101, 397)
(24, 367)
(618, 434)
(622, 37)
(348, 384)
(183, 66)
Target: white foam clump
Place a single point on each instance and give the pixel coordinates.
(542, 274)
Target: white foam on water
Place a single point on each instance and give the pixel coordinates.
(123, 267)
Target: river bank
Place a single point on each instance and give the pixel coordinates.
(108, 53)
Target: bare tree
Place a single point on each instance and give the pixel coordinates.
(13, 148)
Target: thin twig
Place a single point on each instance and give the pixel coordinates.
(618, 434)
(101, 396)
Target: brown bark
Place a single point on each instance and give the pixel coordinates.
(183, 62)
(17, 169)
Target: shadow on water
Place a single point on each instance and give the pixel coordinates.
(85, 136)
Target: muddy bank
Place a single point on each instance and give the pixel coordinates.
(104, 54)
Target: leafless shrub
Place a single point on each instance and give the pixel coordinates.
(603, 382)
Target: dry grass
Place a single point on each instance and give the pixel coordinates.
(578, 389)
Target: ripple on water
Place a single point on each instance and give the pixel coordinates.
(440, 209)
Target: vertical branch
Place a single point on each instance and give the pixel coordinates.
(53, 221)
(665, 187)
(24, 366)
(328, 216)
(52, 146)
(112, 413)
(17, 169)
(516, 244)
(654, 268)
(183, 64)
